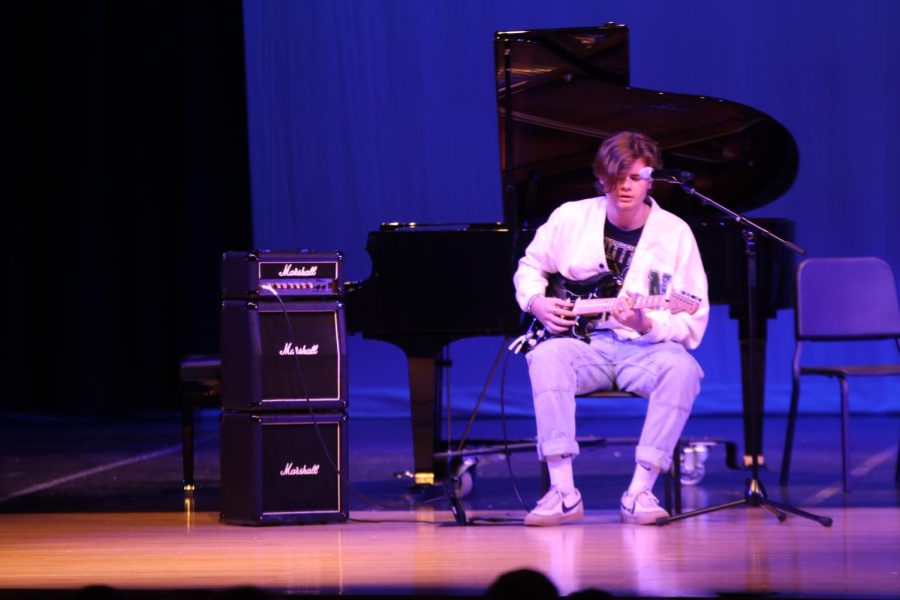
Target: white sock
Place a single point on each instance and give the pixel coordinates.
(561, 476)
(644, 477)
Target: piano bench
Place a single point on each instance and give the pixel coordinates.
(200, 377)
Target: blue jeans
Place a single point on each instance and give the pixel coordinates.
(664, 373)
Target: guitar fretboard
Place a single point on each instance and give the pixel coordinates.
(596, 306)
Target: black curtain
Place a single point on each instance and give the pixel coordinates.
(126, 177)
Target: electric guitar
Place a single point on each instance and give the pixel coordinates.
(592, 298)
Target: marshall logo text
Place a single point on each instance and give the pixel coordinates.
(290, 470)
(290, 271)
(291, 350)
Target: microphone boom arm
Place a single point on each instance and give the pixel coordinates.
(755, 493)
(740, 219)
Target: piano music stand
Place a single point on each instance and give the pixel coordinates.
(755, 493)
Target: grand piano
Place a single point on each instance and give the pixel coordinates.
(560, 93)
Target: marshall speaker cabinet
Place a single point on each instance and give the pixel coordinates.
(283, 388)
(289, 356)
(283, 468)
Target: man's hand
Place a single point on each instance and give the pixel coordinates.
(554, 313)
(629, 317)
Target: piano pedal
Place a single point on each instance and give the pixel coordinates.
(461, 474)
(419, 478)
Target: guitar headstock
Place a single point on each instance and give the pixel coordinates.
(683, 302)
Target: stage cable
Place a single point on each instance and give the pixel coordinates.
(507, 454)
(344, 479)
(501, 358)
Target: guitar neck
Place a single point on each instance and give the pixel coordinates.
(597, 306)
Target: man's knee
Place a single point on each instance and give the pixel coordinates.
(679, 365)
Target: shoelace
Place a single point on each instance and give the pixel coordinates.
(553, 496)
(647, 493)
(636, 497)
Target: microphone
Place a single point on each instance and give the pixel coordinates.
(670, 175)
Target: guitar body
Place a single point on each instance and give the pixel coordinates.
(604, 285)
(594, 298)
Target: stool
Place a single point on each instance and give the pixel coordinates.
(200, 387)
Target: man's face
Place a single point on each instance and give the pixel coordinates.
(630, 191)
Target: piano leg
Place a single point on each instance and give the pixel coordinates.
(753, 396)
(425, 380)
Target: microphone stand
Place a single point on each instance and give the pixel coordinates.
(755, 492)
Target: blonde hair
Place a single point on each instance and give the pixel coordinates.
(618, 153)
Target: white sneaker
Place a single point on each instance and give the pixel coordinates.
(641, 508)
(556, 508)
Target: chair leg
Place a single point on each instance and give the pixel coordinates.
(845, 431)
(545, 478)
(676, 479)
(789, 433)
(667, 490)
(187, 444)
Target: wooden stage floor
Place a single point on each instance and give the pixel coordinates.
(97, 501)
(407, 553)
(743, 551)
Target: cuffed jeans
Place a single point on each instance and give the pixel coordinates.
(664, 373)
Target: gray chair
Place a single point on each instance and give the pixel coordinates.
(841, 300)
(671, 478)
(688, 457)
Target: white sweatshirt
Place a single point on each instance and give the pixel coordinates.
(571, 243)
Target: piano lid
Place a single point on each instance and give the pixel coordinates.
(568, 89)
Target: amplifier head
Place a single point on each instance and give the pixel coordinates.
(293, 273)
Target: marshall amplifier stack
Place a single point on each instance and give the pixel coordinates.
(284, 388)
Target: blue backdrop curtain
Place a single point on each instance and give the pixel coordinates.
(367, 111)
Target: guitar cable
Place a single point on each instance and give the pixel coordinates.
(456, 506)
(327, 452)
(502, 357)
(507, 453)
(451, 480)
